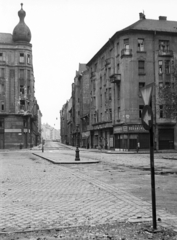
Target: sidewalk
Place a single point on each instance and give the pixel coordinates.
(121, 151)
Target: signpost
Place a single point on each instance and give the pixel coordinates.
(147, 121)
(147, 117)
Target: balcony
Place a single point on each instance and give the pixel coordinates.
(115, 78)
(126, 53)
(108, 61)
(93, 74)
(165, 53)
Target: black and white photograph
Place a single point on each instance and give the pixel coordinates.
(88, 120)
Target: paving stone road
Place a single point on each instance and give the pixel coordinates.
(35, 194)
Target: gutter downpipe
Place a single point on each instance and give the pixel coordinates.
(155, 109)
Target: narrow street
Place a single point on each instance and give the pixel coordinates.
(38, 195)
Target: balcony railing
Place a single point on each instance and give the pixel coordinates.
(126, 52)
(115, 78)
(166, 53)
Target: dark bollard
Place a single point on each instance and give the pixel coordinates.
(43, 145)
(77, 158)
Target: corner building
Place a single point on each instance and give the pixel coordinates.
(132, 58)
(18, 106)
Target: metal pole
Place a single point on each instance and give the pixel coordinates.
(152, 179)
(77, 158)
(42, 145)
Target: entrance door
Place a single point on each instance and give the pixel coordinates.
(1, 140)
(25, 140)
(166, 139)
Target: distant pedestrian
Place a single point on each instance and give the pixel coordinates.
(138, 146)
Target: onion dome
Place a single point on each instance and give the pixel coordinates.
(21, 32)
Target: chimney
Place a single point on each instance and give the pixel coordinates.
(142, 16)
(162, 18)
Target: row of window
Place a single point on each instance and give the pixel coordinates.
(21, 58)
(99, 118)
(163, 67)
(161, 111)
(21, 73)
(163, 47)
(21, 89)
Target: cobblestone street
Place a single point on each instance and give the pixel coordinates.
(35, 194)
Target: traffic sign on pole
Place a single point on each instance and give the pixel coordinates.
(147, 121)
(147, 117)
(146, 93)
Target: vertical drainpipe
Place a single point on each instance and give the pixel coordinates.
(155, 110)
(115, 50)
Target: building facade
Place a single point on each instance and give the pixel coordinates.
(50, 133)
(135, 56)
(18, 106)
(140, 54)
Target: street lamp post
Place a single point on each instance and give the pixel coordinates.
(77, 158)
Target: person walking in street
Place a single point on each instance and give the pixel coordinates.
(138, 146)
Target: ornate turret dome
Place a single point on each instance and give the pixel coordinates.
(21, 32)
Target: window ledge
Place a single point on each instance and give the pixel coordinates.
(141, 51)
(141, 74)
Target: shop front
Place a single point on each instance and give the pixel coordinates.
(126, 137)
(102, 135)
(166, 138)
(85, 139)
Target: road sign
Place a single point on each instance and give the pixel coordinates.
(146, 93)
(147, 117)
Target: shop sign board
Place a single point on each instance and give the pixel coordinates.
(131, 128)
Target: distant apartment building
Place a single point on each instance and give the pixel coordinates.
(18, 105)
(75, 113)
(140, 54)
(50, 133)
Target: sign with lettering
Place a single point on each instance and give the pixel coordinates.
(129, 128)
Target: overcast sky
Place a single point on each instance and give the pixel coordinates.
(68, 32)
